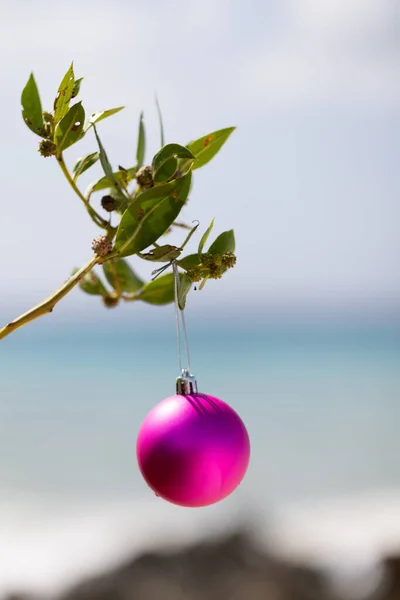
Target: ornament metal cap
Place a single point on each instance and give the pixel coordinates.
(186, 384)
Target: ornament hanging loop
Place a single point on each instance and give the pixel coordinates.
(186, 383)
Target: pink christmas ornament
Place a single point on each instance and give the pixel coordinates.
(193, 449)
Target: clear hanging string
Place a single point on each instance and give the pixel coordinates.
(180, 316)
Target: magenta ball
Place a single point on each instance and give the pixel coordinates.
(193, 450)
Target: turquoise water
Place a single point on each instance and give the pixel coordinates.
(322, 405)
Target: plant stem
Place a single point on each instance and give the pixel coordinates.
(96, 218)
(116, 286)
(182, 225)
(129, 297)
(191, 232)
(47, 305)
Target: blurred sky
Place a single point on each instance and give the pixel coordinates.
(309, 180)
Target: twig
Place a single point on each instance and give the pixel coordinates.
(96, 218)
(47, 305)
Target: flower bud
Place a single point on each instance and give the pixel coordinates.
(207, 260)
(195, 273)
(216, 271)
(144, 177)
(110, 301)
(108, 203)
(48, 117)
(228, 260)
(101, 245)
(47, 148)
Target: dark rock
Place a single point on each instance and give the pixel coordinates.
(391, 587)
(231, 568)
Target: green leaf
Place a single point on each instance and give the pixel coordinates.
(205, 238)
(160, 291)
(105, 163)
(131, 224)
(64, 95)
(121, 202)
(166, 171)
(121, 276)
(69, 129)
(100, 184)
(160, 119)
(168, 151)
(207, 147)
(162, 253)
(84, 163)
(77, 87)
(224, 243)
(165, 162)
(92, 284)
(192, 260)
(184, 288)
(32, 107)
(99, 116)
(191, 232)
(141, 144)
(151, 215)
(105, 184)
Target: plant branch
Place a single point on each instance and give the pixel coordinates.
(47, 305)
(96, 218)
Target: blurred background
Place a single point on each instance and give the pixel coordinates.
(302, 337)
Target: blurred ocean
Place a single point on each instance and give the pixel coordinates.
(321, 404)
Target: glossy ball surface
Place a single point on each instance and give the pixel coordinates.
(193, 450)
